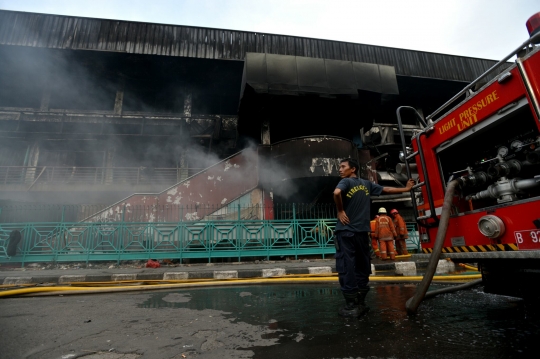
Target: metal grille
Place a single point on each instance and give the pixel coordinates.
(225, 233)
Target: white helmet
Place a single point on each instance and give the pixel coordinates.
(382, 210)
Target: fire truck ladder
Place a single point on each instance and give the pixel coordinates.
(433, 215)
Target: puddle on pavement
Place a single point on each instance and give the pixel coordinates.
(466, 324)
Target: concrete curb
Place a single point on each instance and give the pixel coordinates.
(72, 278)
(400, 268)
(180, 275)
(17, 280)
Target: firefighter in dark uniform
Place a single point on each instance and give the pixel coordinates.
(352, 197)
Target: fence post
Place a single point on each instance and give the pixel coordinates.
(239, 235)
(121, 234)
(63, 212)
(295, 232)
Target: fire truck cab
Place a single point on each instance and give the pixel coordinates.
(487, 138)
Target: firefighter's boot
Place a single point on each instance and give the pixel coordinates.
(403, 247)
(350, 309)
(362, 307)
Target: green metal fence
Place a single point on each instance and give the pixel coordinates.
(413, 242)
(45, 242)
(294, 234)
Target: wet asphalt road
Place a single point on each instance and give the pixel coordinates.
(282, 321)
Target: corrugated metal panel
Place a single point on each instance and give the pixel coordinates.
(54, 31)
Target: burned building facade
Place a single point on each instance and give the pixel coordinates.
(93, 110)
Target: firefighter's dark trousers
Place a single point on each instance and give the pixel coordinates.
(353, 262)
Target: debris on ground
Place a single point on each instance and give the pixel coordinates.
(135, 264)
(152, 264)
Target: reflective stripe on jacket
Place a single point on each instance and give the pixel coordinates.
(384, 229)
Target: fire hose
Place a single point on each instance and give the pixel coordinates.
(412, 304)
(135, 285)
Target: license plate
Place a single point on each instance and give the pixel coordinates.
(529, 239)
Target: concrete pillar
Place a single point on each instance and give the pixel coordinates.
(265, 132)
(109, 164)
(31, 162)
(182, 172)
(45, 100)
(118, 101)
(187, 104)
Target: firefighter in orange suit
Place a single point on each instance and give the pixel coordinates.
(374, 243)
(385, 233)
(402, 234)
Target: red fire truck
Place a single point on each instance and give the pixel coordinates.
(483, 146)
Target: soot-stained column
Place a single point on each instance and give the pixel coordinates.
(45, 99)
(31, 162)
(109, 164)
(187, 104)
(118, 101)
(265, 132)
(183, 167)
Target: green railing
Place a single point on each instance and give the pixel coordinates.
(62, 242)
(413, 242)
(233, 233)
(69, 242)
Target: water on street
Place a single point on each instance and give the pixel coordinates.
(466, 324)
(266, 321)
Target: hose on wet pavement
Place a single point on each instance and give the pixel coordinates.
(412, 304)
(467, 266)
(128, 286)
(454, 288)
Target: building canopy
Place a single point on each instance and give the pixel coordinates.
(293, 75)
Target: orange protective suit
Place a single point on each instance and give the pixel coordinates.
(385, 232)
(402, 234)
(374, 242)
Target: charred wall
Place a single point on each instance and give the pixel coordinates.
(98, 119)
(105, 108)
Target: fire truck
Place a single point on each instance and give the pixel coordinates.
(477, 199)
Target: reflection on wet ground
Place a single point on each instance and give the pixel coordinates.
(466, 324)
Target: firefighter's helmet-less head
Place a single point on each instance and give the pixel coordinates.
(394, 211)
(382, 210)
